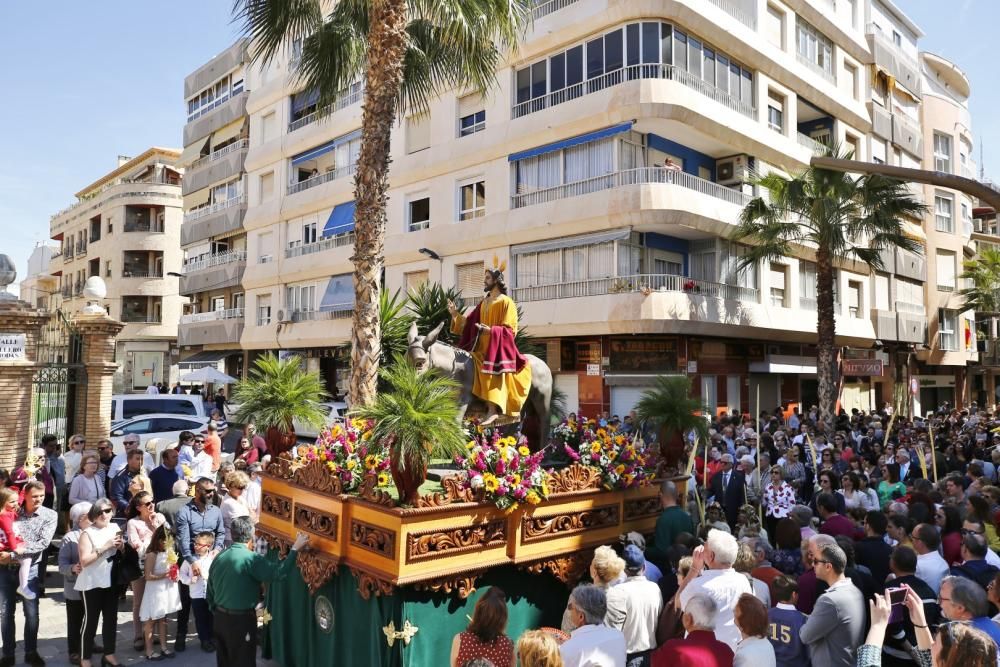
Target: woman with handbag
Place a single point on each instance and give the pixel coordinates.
(99, 545)
(143, 520)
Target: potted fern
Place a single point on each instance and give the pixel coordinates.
(670, 408)
(276, 393)
(417, 417)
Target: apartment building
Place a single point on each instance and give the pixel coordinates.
(212, 236)
(125, 228)
(39, 287)
(609, 165)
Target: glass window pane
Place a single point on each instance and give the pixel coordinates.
(613, 51)
(746, 87)
(650, 42)
(574, 65)
(721, 72)
(694, 56)
(665, 48)
(538, 80)
(523, 85)
(632, 43)
(680, 50)
(557, 72)
(595, 58)
(708, 65)
(734, 79)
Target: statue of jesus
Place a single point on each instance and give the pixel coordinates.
(503, 376)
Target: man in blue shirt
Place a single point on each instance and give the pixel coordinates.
(163, 476)
(198, 516)
(785, 621)
(962, 599)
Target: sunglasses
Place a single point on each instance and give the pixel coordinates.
(108, 511)
(148, 503)
(101, 449)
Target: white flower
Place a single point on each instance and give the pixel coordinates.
(476, 482)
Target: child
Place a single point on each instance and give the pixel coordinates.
(785, 621)
(161, 596)
(11, 541)
(198, 583)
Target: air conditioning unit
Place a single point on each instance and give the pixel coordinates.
(732, 170)
(282, 319)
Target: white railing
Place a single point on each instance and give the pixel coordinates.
(807, 303)
(342, 102)
(115, 184)
(737, 13)
(213, 315)
(630, 177)
(417, 226)
(338, 241)
(314, 315)
(546, 8)
(817, 147)
(215, 208)
(829, 76)
(265, 259)
(216, 260)
(633, 73)
(142, 274)
(240, 145)
(320, 179)
(212, 106)
(911, 308)
(646, 283)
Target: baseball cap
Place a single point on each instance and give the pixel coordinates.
(634, 560)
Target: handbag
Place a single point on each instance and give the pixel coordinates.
(125, 566)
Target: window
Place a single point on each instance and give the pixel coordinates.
(469, 279)
(774, 26)
(947, 329)
(942, 153)
(779, 273)
(943, 206)
(418, 133)
(214, 95)
(472, 114)
(111, 227)
(909, 295)
(269, 127)
(414, 279)
(730, 273)
(880, 291)
(264, 248)
(301, 298)
(854, 304)
(107, 268)
(851, 80)
(775, 111)
(945, 270)
(419, 214)
(897, 39)
(263, 309)
(814, 47)
(472, 200)
(266, 186)
(853, 146)
(218, 303)
(309, 233)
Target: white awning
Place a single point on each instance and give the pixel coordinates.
(784, 363)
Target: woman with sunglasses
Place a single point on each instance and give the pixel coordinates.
(143, 520)
(73, 456)
(854, 497)
(890, 485)
(98, 544)
(86, 486)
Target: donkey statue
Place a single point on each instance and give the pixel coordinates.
(426, 352)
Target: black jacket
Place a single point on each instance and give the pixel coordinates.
(733, 496)
(873, 553)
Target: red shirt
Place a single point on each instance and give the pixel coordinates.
(213, 447)
(767, 575)
(699, 649)
(500, 651)
(838, 524)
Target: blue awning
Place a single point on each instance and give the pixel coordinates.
(572, 141)
(339, 293)
(341, 220)
(303, 99)
(322, 149)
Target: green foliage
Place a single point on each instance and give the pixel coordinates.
(428, 303)
(417, 415)
(558, 408)
(670, 407)
(983, 295)
(278, 391)
(396, 320)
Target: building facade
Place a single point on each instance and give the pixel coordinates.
(125, 228)
(40, 288)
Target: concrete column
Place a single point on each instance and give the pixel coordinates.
(94, 396)
(16, 376)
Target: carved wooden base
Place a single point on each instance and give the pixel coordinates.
(316, 569)
(462, 584)
(567, 569)
(575, 478)
(369, 584)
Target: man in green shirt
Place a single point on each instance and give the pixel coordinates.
(672, 522)
(234, 590)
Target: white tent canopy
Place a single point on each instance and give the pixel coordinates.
(208, 375)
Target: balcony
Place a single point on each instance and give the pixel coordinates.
(68, 254)
(215, 327)
(817, 147)
(215, 220)
(342, 102)
(906, 135)
(140, 318)
(318, 315)
(546, 8)
(912, 327)
(224, 111)
(215, 272)
(638, 176)
(66, 291)
(816, 68)
(644, 283)
(142, 273)
(320, 179)
(885, 324)
(891, 58)
(982, 227)
(628, 74)
(881, 122)
(81, 249)
(745, 15)
(989, 352)
(338, 241)
(218, 166)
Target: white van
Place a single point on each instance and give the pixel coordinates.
(127, 406)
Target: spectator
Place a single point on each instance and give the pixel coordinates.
(185, 451)
(98, 543)
(652, 572)
(973, 526)
(201, 465)
(180, 498)
(56, 466)
(220, 401)
(754, 650)
(121, 485)
(804, 516)
(836, 626)
(900, 636)
(143, 521)
(931, 567)
(246, 452)
(606, 570)
(213, 446)
(962, 599)
(833, 523)
(670, 626)
(484, 637)
(899, 529)
(160, 597)
(785, 623)
(233, 505)
(890, 487)
(197, 516)
(728, 487)
(131, 444)
(762, 569)
(712, 574)
(204, 544)
(672, 522)
(592, 642)
(873, 552)
(69, 567)
(949, 522)
(974, 565)
(251, 496)
(787, 557)
(850, 489)
(700, 648)
(73, 457)
(258, 441)
(745, 563)
(35, 468)
(163, 476)
(536, 648)
(87, 486)
(779, 498)
(105, 456)
(11, 541)
(634, 608)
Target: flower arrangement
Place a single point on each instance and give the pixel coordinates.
(346, 449)
(173, 569)
(569, 432)
(504, 469)
(623, 463)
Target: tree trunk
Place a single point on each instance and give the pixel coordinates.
(826, 356)
(386, 47)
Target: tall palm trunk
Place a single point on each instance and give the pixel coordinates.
(826, 372)
(386, 47)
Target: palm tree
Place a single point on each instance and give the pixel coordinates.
(395, 322)
(277, 393)
(669, 407)
(983, 296)
(406, 51)
(845, 218)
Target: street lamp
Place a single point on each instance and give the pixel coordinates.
(430, 253)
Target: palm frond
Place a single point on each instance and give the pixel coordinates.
(277, 392)
(273, 24)
(669, 406)
(395, 320)
(428, 304)
(983, 295)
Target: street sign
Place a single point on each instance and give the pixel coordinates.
(12, 347)
(861, 367)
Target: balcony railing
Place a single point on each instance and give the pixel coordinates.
(817, 147)
(215, 208)
(808, 303)
(155, 180)
(737, 13)
(67, 291)
(213, 315)
(990, 227)
(142, 273)
(140, 318)
(342, 102)
(338, 241)
(315, 315)
(81, 249)
(319, 179)
(216, 260)
(630, 177)
(634, 73)
(219, 154)
(911, 308)
(657, 282)
(814, 66)
(417, 226)
(68, 254)
(546, 8)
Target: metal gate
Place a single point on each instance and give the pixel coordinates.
(58, 396)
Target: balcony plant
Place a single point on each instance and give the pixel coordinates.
(670, 408)
(276, 393)
(416, 417)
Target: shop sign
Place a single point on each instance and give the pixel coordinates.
(12, 347)
(862, 367)
(594, 369)
(642, 355)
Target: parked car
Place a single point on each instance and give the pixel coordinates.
(334, 411)
(165, 427)
(128, 406)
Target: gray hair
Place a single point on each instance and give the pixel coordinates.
(98, 508)
(830, 551)
(802, 514)
(241, 529)
(726, 458)
(968, 594)
(902, 453)
(76, 512)
(759, 545)
(590, 601)
(747, 459)
(180, 487)
(668, 489)
(702, 610)
(723, 545)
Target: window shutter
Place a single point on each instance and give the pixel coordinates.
(414, 279)
(418, 133)
(777, 276)
(469, 279)
(470, 104)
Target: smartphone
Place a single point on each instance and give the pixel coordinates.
(897, 596)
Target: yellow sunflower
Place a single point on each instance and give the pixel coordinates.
(523, 451)
(533, 498)
(383, 479)
(370, 461)
(490, 483)
(619, 469)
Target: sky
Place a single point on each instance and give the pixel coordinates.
(85, 82)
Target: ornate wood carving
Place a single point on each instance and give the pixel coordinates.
(454, 492)
(463, 584)
(369, 584)
(376, 539)
(368, 491)
(575, 478)
(275, 541)
(567, 569)
(279, 468)
(536, 529)
(441, 543)
(316, 569)
(641, 508)
(315, 476)
(316, 521)
(276, 505)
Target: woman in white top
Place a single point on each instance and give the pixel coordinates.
(98, 544)
(143, 520)
(87, 487)
(234, 505)
(73, 456)
(850, 484)
(754, 649)
(865, 488)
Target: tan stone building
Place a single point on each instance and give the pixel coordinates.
(125, 228)
(39, 287)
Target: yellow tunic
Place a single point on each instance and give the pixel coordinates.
(506, 390)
